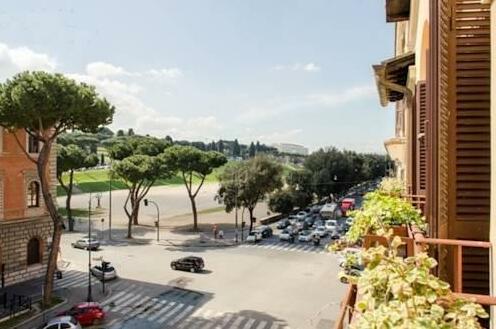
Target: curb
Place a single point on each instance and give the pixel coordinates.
(36, 316)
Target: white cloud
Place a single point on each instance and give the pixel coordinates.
(278, 107)
(306, 67)
(101, 69)
(333, 99)
(171, 73)
(197, 128)
(17, 59)
(280, 136)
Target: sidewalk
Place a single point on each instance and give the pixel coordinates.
(32, 288)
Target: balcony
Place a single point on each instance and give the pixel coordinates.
(415, 242)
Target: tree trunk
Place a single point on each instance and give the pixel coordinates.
(58, 225)
(195, 213)
(68, 202)
(130, 227)
(251, 219)
(135, 212)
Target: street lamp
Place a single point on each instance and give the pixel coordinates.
(90, 297)
(157, 223)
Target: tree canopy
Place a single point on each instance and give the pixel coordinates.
(191, 162)
(246, 183)
(69, 159)
(45, 105)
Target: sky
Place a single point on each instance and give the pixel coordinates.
(296, 71)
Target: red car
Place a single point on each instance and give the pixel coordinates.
(87, 314)
(347, 205)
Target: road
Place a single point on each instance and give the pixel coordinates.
(271, 285)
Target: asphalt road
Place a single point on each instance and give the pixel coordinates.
(265, 286)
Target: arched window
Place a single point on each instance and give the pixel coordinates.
(34, 255)
(33, 195)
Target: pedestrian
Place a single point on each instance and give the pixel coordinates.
(215, 231)
(221, 234)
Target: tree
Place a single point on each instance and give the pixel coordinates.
(169, 140)
(137, 163)
(236, 149)
(69, 159)
(255, 178)
(191, 163)
(130, 132)
(120, 133)
(251, 150)
(258, 147)
(45, 105)
(282, 201)
(220, 146)
(139, 172)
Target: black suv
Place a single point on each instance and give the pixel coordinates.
(191, 263)
(265, 231)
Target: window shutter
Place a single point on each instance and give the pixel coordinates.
(421, 136)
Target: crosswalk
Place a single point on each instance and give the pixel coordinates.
(307, 247)
(135, 304)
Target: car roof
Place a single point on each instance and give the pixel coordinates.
(58, 319)
(87, 304)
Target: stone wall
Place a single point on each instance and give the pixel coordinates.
(14, 238)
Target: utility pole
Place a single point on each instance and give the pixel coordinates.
(236, 207)
(90, 297)
(110, 202)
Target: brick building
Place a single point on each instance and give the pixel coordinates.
(25, 227)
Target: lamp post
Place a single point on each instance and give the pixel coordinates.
(90, 297)
(110, 202)
(157, 223)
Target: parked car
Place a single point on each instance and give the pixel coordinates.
(283, 223)
(310, 220)
(305, 236)
(321, 231)
(331, 225)
(64, 321)
(190, 263)
(301, 215)
(254, 236)
(265, 231)
(87, 243)
(87, 314)
(109, 272)
(286, 234)
(334, 234)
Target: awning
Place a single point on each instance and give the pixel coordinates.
(391, 77)
(397, 10)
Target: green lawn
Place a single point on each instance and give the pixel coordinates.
(98, 181)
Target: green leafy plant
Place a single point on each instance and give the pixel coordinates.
(402, 293)
(392, 186)
(380, 212)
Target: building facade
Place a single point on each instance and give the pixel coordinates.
(25, 227)
(291, 148)
(439, 79)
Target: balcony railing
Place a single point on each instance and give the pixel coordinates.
(415, 242)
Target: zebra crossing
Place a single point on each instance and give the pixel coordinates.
(307, 247)
(142, 305)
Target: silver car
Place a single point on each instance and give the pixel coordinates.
(87, 243)
(110, 273)
(65, 321)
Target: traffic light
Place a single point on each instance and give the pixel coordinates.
(105, 265)
(146, 202)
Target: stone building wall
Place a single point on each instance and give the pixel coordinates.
(14, 238)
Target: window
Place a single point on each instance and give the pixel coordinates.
(33, 145)
(34, 251)
(33, 195)
(65, 326)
